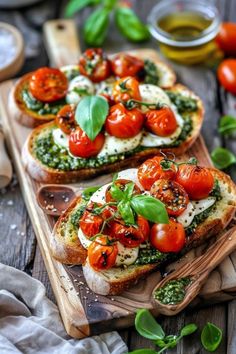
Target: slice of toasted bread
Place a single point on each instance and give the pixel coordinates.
(18, 108)
(67, 248)
(43, 173)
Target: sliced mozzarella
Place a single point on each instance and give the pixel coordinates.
(203, 204)
(79, 87)
(187, 216)
(126, 256)
(113, 145)
(151, 140)
(152, 94)
(99, 195)
(85, 242)
(130, 174)
(105, 86)
(60, 138)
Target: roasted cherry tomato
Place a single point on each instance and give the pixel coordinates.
(125, 89)
(168, 237)
(65, 118)
(172, 194)
(81, 146)
(48, 84)
(130, 236)
(94, 64)
(151, 170)
(226, 39)
(161, 121)
(126, 65)
(227, 75)
(102, 253)
(197, 181)
(123, 123)
(120, 183)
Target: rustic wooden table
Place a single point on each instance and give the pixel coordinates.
(18, 243)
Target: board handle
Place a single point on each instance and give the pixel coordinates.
(62, 42)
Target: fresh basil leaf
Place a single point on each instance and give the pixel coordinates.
(95, 28)
(130, 25)
(74, 6)
(211, 337)
(88, 192)
(126, 212)
(188, 329)
(109, 3)
(147, 326)
(116, 193)
(222, 158)
(227, 125)
(160, 343)
(150, 208)
(91, 114)
(143, 351)
(128, 191)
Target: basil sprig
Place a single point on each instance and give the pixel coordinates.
(74, 5)
(222, 158)
(227, 125)
(91, 114)
(95, 28)
(211, 337)
(129, 205)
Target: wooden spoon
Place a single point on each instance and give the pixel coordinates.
(54, 199)
(198, 271)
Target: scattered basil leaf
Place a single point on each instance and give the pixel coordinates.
(143, 351)
(95, 27)
(188, 329)
(74, 6)
(88, 192)
(130, 25)
(91, 114)
(147, 326)
(150, 208)
(211, 337)
(126, 212)
(116, 193)
(222, 158)
(129, 188)
(227, 125)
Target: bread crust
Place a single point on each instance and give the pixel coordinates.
(46, 174)
(19, 110)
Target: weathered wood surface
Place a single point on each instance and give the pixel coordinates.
(19, 250)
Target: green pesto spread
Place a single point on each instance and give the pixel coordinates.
(150, 255)
(39, 107)
(184, 104)
(151, 75)
(173, 292)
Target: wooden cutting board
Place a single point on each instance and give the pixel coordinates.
(83, 312)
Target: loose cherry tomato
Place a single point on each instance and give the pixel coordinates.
(102, 253)
(94, 64)
(65, 118)
(48, 84)
(197, 181)
(125, 89)
(81, 146)
(126, 65)
(172, 194)
(168, 237)
(120, 183)
(151, 170)
(130, 236)
(226, 74)
(123, 123)
(161, 121)
(226, 39)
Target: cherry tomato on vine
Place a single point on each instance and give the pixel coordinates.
(123, 123)
(94, 64)
(126, 89)
(168, 237)
(197, 181)
(226, 39)
(226, 74)
(161, 121)
(48, 84)
(120, 183)
(151, 170)
(172, 194)
(130, 236)
(81, 146)
(65, 119)
(126, 65)
(102, 253)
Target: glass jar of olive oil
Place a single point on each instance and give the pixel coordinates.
(186, 29)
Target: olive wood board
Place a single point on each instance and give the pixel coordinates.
(83, 312)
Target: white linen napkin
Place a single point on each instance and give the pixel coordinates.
(30, 323)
